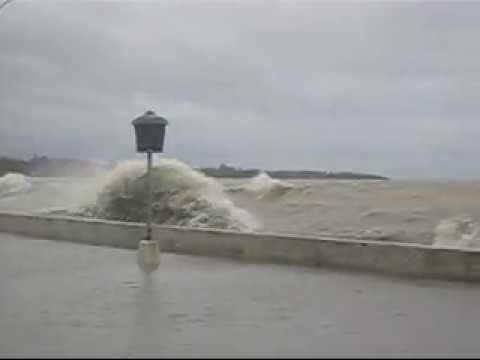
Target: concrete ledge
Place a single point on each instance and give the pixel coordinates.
(374, 256)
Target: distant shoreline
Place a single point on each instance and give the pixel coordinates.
(339, 177)
(43, 166)
(230, 172)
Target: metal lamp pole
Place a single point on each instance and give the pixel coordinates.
(149, 194)
(150, 134)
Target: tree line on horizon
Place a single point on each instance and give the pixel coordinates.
(45, 166)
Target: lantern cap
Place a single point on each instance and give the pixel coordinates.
(149, 118)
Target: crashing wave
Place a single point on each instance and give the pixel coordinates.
(13, 183)
(181, 196)
(460, 231)
(263, 186)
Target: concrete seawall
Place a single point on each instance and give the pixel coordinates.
(374, 256)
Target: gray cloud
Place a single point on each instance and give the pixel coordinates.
(382, 87)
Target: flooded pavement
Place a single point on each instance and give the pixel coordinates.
(69, 300)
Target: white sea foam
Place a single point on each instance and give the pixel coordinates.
(13, 183)
(181, 196)
(263, 186)
(459, 231)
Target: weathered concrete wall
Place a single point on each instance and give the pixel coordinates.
(385, 257)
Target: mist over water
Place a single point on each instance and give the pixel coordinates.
(39, 195)
(442, 214)
(12, 183)
(181, 196)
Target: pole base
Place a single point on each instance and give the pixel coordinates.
(148, 255)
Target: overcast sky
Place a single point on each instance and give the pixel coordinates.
(382, 87)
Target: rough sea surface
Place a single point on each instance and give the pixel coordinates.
(437, 213)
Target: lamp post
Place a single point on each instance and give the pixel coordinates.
(150, 135)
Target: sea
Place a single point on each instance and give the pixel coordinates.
(435, 213)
